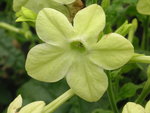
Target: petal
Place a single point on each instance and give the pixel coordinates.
(47, 63)
(16, 104)
(37, 5)
(53, 27)
(34, 107)
(147, 107)
(112, 51)
(89, 22)
(87, 80)
(143, 7)
(131, 107)
(65, 1)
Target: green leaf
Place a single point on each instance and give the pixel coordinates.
(89, 2)
(126, 91)
(5, 96)
(32, 87)
(112, 51)
(87, 80)
(34, 107)
(15, 105)
(47, 63)
(148, 72)
(131, 107)
(53, 27)
(89, 22)
(143, 7)
(101, 111)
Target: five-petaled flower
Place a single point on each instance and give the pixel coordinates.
(75, 52)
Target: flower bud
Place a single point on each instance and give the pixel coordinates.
(124, 29)
(26, 14)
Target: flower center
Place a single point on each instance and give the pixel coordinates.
(78, 46)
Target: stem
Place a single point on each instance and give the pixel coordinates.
(9, 27)
(111, 95)
(105, 4)
(132, 30)
(145, 34)
(145, 92)
(51, 107)
(140, 59)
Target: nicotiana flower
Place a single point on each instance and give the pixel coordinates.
(143, 7)
(132, 107)
(34, 107)
(75, 52)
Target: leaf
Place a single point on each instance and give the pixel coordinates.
(10, 55)
(30, 88)
(44, 91)
(89, 2)
(101, 111)
(126, 91)
(5, 96)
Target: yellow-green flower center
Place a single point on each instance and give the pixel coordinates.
(78, 46)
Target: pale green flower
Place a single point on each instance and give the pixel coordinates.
(37, 5)
(147, 107)
(75, 52)
(34, 107)
(143, 7)
(132, 107)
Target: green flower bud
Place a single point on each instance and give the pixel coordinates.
(26, 14)
(124, 29)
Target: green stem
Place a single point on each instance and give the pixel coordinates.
(51, 107)
(132, 30)
(9, 27)
(105, 4)
(140, 59)
(145, 34)
(111, 95)
(144, 93)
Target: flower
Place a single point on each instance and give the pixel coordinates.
(132, 107)
(143, 7)
(75, 52)
(36, 107)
